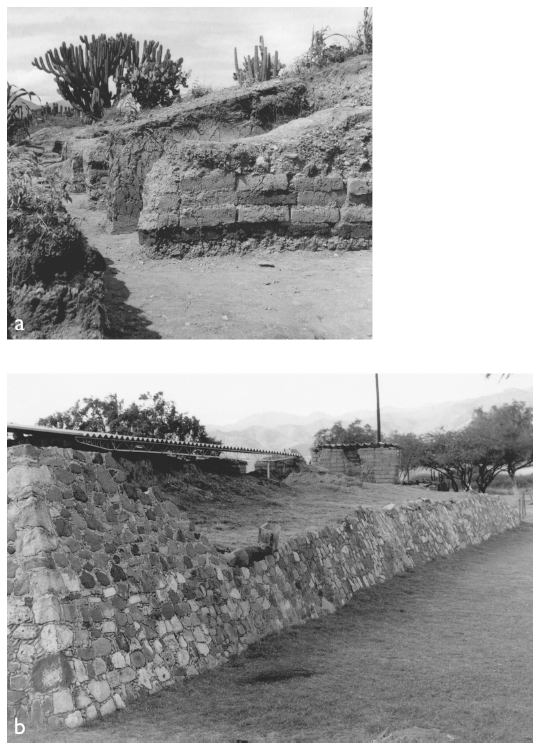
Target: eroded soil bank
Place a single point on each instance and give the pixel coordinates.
(264, 294)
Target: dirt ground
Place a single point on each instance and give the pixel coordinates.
(439, 654)
(304, 502)
(270, 295)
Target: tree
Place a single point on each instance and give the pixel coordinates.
(153, 416)
(494, 441)
(354, 433)
(411, 452)
(506, 432)
(451, 454)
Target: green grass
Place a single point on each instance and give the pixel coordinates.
(447, 647)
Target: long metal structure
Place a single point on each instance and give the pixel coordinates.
(114, 442)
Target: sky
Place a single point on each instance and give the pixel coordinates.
(224, 398)
(204, 37)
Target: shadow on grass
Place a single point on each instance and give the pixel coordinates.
(124, 321)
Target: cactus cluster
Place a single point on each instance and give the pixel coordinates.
(256, 69)
(153, 78)
(82, 75)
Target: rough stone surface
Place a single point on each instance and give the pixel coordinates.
(225, 116)
(301, 179)
(379, 464)
(180, 606)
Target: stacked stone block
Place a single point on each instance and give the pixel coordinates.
(303, 179)
(112, 597)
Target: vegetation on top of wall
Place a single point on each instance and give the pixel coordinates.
(356, 432)
(256, 70)
(320, 54)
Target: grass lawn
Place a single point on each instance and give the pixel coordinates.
(446, 647)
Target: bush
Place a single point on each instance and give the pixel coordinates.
(44, 242)
(19, 117)
(152, 81)
(320, 55)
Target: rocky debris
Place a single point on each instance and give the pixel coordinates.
(112, 596)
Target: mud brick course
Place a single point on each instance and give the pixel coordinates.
(112, 596)
(371, 463)
(309, 177)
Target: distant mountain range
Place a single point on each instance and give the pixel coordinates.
(282, 431)
(33, 105)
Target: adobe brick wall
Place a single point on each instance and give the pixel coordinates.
(380, 464)
(112, 596)
(222, 117)
(308, 178)
(373, 464)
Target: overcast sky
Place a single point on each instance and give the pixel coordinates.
(204, 37)
(222, 399)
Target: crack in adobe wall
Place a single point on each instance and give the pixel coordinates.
(112, 596)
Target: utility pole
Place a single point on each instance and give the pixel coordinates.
(378, 410)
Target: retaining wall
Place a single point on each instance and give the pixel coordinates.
(309, 177)
(112, 596)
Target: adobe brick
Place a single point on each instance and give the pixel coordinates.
(355, 214)
(324, 183)
(314, 215)
(218, 215)
(360, 185)
(257, 214)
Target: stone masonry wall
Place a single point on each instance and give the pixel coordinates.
(309, 177)
(112, 596)
(338, 460)
(380, 464)
(223, 116)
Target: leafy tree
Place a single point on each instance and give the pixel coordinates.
(354, 433)
(495, 441)
(451, 454)
(151, 416)
(504, 437)
(411, 453)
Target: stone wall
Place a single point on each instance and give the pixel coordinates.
(337, 460)
(113, 596)
(220, 117)
(309, 177)
(88, 168)
(373, 463)
(380, 464)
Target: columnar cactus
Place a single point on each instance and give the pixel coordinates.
(79, 73)
(255, 69)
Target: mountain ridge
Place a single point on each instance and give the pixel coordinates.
(298, 431)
